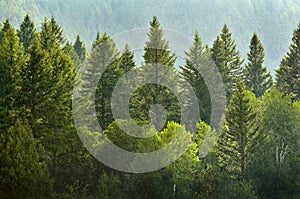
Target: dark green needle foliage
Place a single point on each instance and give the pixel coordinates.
(27, 32)
(80, 49)
(194, 63)
(257, 79)
(288, 75)
(227, 59)
(156, 55)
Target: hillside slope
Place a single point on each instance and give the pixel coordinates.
(274, 21)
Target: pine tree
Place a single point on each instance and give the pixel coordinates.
(5, 27)
(43, 92)
(103, 63)
(288, 75)
(217, 54)
(11, 57)
(227, 59)
(70, 51)
(194, 62)
(127, 64)
(156, 55)
(23, 171)
(80, 49)
(127, 60)
(240, 133)
(27, 32)
(51, 34)
(257, 79)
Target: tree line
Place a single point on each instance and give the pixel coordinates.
(256, 156)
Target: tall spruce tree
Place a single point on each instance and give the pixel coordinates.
(103, 63)
(257, 79)
(51, 34)
(127, 63)
(156, 55)
(11, 57)
(23, 174)
(288, 75)
(43, 91)
(227, 59)
(27, 32)
(194, 61)
(80, 49)
(4, 28)
(240, 133)
(127, 60)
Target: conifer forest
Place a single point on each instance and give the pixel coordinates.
(177, 116)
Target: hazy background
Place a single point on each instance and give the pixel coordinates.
(273, 20)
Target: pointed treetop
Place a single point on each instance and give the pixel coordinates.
(156, 43)
(127, 48)
(5, 27)
(100, 39)
(97, 41)
(154, 22)
(225, 28)
(98, 36)
(51, 34)
(197, 37)
(287, 76)
(27, 32)
(80, 49)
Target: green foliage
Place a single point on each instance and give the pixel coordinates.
(70, 51)
(288, 75)
(257, 79)
(80, 49)
(27, 32)
(240, 133)
(103, 63)
(194, 64)
(11, 58)
(239, 189)
(51, 34)
(23, 170)
(227, 59)
(275, 165)
(42, 156)
(157, 55)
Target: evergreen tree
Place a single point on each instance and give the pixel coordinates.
(51, 34)
(194, 61)
(240, 133)
(5, 27)
(23, 170)
(70, 51)
(11, 57)
(127, 64)
(27, 32)
(156, 55)
(257, 79)
(288, 75)
(227, 59)
(218, 55)
(127, 60)
(43, 93)
(80, 49)
(103, 63)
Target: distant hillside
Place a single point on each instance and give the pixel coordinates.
(274, 21)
